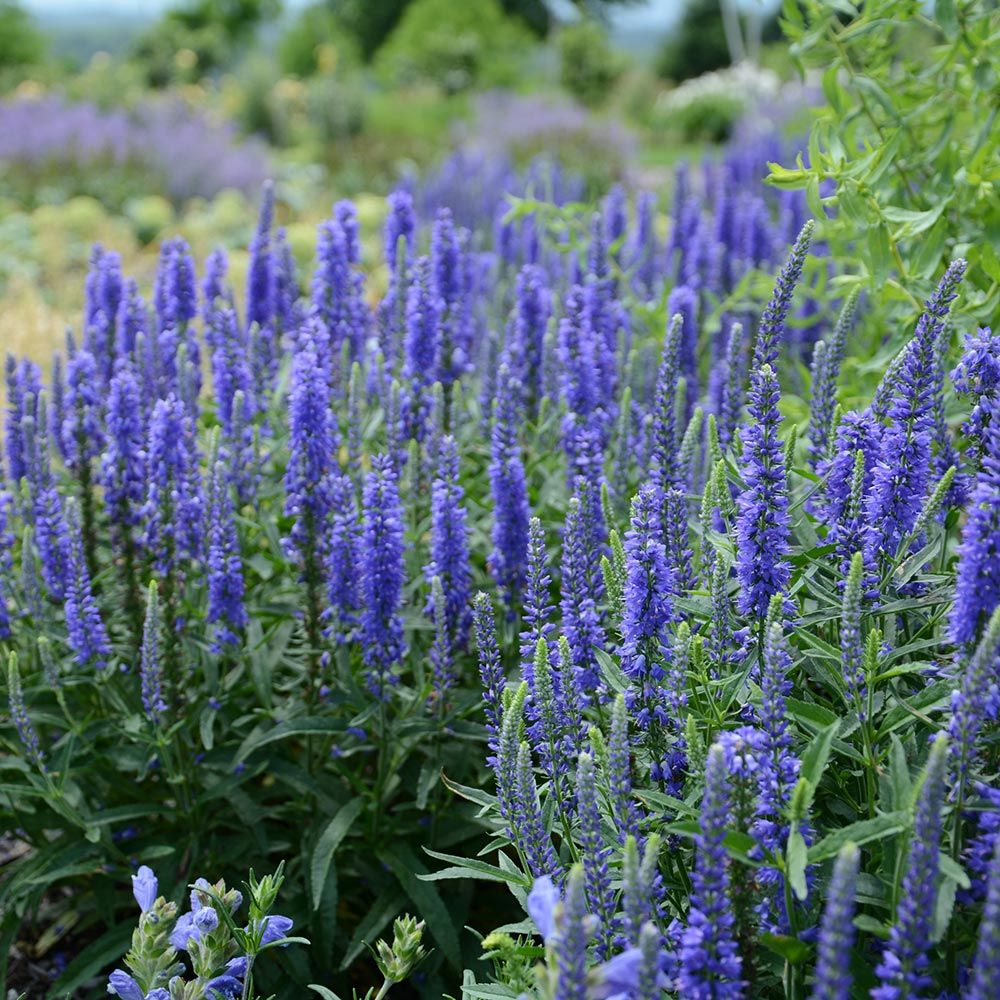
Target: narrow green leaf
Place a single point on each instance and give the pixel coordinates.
(862, 832)
(326, 846)
(407, 869)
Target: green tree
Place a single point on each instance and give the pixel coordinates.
(454, 45)
(373, 22)
(212, 29)
(588, 65)
(21, 43)
(315, 27)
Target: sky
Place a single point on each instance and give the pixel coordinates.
(648, 12)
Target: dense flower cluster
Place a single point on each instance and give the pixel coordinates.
(240, 541)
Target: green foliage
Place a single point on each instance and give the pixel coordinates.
(203, 35)
(371, 24)
(456, 46)
(904, 159)
(21, 43)
(708, 117)
(256, 766)
(588, 65)
(307, 44)
(697, 45)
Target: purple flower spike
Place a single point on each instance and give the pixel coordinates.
(762, 536)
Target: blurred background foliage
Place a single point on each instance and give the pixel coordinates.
(126, 120)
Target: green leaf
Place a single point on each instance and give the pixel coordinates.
(879, 254)
(108, 948)
(946, 16)
(818, 753)
(472, 868)
(324, 992)
(862, 832)
(797, 857)
(913, 223)
(953, 871)
(866, 922)
(305, 726)
(791, 949)
(407, 869)
(943, 908)
(326, 846)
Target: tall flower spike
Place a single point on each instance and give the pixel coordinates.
(83, 433)
(533, 839)
(123, 462)
(640, 882)
(710, 964)
(19, 715)
(731, 388)
(226, 611)
(580, 622)
(644, 246)
(312, 437)
(600, 897)
(762, 542)
(338, 296)
(382, 577)
(509, 489)
(550, 731)
(676, 540)
(173, 512)
(398, 236)
(213, 288)
(778, 766)
(57, 406)
(648, 606)
(900, 479)
(24, 383)
(771, 329)
(571, 940)
(836, 936)
(976, 700)
(449, 548)
(231, 371)
(986, 968)
(103, 293)
(87, 636)
(665, 436)
(6, 564)
(826, 371)
(977, 375)
(440, 652)
(342, 558)
(449, 285)
(260, 272)
(491, 671)
(977, 579)
(683, 302)
(133, 319)
(903, 969)
(45, 509)
(626, 811)
(533, 306)
(421, 346)
(150, 663)
(852, 650)
(536, 607)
